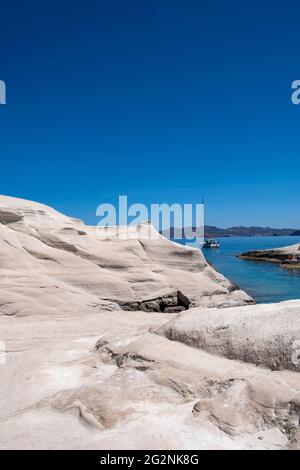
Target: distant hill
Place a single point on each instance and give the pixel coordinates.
(215, 232)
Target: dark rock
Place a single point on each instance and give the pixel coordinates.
(183, 300)
(177, 309)
(151, 306)
(174, 302)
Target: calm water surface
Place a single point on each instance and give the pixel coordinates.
(265, 282)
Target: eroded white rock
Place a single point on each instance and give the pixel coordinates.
(81, 373)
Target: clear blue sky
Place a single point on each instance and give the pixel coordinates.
(161, 100)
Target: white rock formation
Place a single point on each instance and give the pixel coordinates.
(264, 335)
(79, 372)
(276, 255)
(53, 263)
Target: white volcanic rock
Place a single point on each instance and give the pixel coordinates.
(51, 263)
(78, 372)
(276, 255)
(106, 382)
(264, 335)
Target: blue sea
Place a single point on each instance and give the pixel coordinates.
(265, 282)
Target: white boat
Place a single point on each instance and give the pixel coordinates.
(211, 243)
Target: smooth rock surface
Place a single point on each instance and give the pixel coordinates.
(53, 264)
(79, 372)
(264, 335)
(278, 255)
(109, 382)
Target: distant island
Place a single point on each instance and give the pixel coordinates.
(241, 231)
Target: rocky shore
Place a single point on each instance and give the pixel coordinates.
(113, 342)
(288, 257)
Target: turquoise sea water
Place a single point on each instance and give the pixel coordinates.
(265, 282)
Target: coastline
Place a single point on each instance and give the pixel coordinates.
(221, 374)
(274, 285)
(287, 257)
